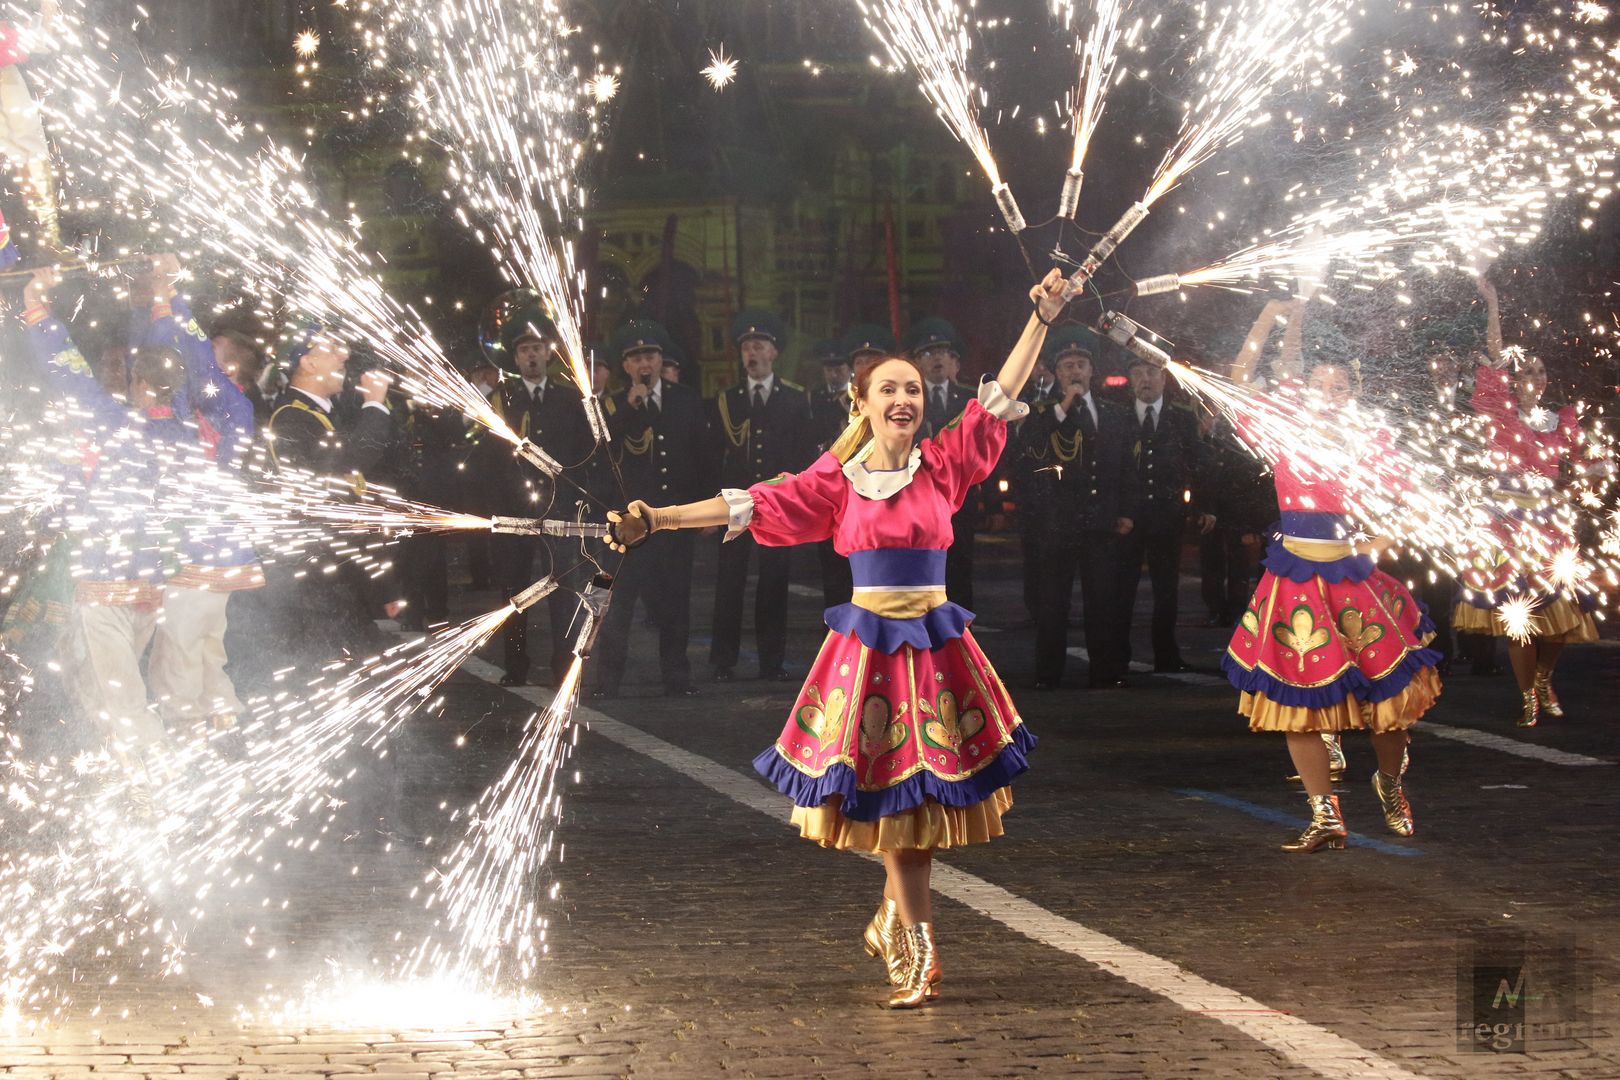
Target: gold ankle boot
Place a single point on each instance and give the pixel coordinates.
(1546, 700)
(1392, 797)
(1531, 712)
(885, 938)
(922, 970)
(1326, 826)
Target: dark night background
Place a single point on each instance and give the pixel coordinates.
(816, 181)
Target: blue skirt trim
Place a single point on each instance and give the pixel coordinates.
(908, 794)
(931, 631)
(1353, 683)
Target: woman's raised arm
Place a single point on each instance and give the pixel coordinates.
(1049, 304)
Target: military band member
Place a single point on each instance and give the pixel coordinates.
(937, 348)
(658, 437)
(1019, 470)
(1170, 474)
(548, 411)
(1082, 490)
(761, 429)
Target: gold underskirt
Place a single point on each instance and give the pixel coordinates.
(929, 827)
(1393, 714)
(1560, 619)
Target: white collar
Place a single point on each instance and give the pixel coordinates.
(761, 384)
(531, 385)
(881, 484)
(1143, 406)
(324, 403)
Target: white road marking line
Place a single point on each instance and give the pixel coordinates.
(1191, 678)
(1299, 1041)
(1491, 741)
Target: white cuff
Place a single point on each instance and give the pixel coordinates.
(740, 504)
(994, 400)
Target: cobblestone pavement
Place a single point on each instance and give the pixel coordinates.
(1136, 921)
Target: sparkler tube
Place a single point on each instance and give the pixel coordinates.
(539, 458)
(535, 593)
(1111, 239)
(1009, 206)
(1126, 333)
(594, 603)
(512, 526)
(1163, 283)
(593, 413)
(1069, 201)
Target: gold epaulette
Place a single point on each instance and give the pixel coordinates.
(791, 385)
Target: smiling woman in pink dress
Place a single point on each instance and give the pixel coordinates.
(903, 740)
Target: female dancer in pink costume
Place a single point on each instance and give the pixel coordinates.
(1329, 642)
(1531, 448)
(903, 740)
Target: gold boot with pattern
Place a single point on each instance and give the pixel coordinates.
(1532, 711)
(922, 970)
(1326, 827)
(885, 938)
(1546, 700)
(1392, 797)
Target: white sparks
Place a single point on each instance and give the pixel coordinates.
(722, 69)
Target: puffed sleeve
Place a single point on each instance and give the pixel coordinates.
(966, 450)
(794, 508)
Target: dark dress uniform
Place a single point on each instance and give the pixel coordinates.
(1169, 463)
(315, 617)
(307, 436)
(758, 436)
(1082, 480)
(965, 522)
(552, 417)
(1244, 501)
(660, 450)
(1028, 508)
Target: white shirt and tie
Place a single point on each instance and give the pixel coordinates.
(1148, 413)
(939, 396)
(537, 390)
(759, 390)
(325, 403)
(1082, 402)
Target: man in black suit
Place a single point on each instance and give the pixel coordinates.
(1081, 492)
(760, 429)
(658, 436)
(1019, 470)
(829, 415)
(937, 348)
(1243, 497)
(549, 412)
(1170, 473)
(303, 616)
